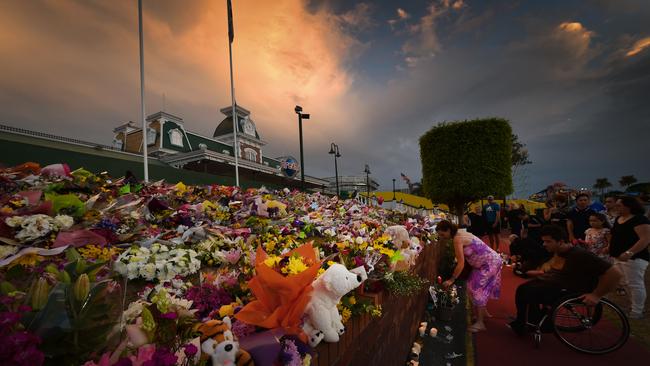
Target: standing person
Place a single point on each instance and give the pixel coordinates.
(533, 228)
(555, 212)
(492, 214)
(484, 281)
(578, 218)
(598, 236)
(515, 219)
(629, 246)
(610, 209)
(477, 223)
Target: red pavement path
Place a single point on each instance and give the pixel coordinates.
(499, 346)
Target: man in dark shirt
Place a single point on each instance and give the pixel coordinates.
(578, 218)
(582, 272)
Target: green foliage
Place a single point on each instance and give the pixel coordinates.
(404, 283)
(639, 187)
(519, 152)
(464, 161)
(627, 180)
(73, 323)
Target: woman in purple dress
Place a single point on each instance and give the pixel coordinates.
(484, 281)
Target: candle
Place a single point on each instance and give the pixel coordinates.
(433, 332)
(422, 331)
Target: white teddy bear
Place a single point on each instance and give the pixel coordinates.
(323, 320)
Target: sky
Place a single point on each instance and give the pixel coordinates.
(572, 77)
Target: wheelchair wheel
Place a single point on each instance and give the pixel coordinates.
(590, 329)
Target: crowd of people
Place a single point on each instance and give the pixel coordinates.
(589, 248)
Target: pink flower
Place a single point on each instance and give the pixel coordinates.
(145, 353)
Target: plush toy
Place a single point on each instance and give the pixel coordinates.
(409, 247)
(323, 321)
(399, 235)
(220, 344)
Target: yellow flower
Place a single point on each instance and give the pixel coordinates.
(295, 266)
(388, 252)
(353, 300)
(345, 315)
(376, 312)
(270, 245)
(330, 263)
(30, 260)
(97, 253)
(226, 310)
(321, 271)
(272, 260)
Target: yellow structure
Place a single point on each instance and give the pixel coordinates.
(417, 201)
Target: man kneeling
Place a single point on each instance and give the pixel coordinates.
(581, 272)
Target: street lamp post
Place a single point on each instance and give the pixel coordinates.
(334, 150)
(301, 116)
(367, 171)
(393, 189)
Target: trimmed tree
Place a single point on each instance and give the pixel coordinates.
(466, 160)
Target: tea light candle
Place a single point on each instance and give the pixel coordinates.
(433, 332)
(422, 331)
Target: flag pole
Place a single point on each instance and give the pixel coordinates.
(144, 117)
(231, 36)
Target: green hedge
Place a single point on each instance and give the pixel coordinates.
(464, 161)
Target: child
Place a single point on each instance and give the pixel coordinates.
(598, 236)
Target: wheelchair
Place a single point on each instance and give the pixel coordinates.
(595, 330)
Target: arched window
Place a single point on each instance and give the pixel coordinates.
(250, 154)
(151, 136)
(176, 137)
(118, 143)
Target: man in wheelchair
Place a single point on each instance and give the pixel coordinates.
(579, 271)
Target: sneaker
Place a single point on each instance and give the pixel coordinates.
(635, 316)
(517, 327)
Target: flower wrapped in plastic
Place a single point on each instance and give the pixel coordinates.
(280, 300)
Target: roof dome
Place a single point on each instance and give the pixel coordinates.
(225, 127)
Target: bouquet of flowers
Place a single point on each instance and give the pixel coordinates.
(444, 297)
(157, 263)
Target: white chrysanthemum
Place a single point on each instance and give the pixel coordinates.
(34, 227)
(14, 221)
(7, 250)
(148, 271)
(63, 222)
(132, 270)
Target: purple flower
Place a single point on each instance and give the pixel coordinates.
(207, 297)
(171, 315)
(290, 355)
(190, 350)
(241, 329)
(162, 357)
(124, 362)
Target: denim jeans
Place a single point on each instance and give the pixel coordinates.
(634, 272)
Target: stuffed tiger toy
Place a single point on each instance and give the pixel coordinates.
(218, 342)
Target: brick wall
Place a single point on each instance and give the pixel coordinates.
(385, 341)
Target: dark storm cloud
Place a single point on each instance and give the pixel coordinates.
(561, 72)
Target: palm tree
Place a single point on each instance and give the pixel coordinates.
(602, 184)
(627, 180)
